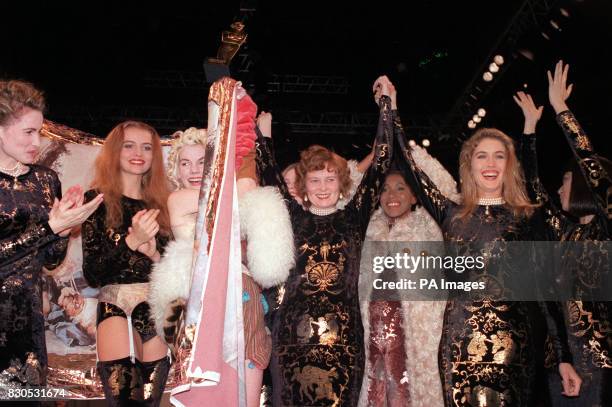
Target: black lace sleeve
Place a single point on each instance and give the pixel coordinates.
(56, 250)
(268, 172)
(598, 180)
(424, 188)
(366, 196)
(557, 223)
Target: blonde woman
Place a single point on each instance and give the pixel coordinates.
(489, 351)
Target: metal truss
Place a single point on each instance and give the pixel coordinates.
(309, 84)
(175, 79)
(530, 15)
(166, 120)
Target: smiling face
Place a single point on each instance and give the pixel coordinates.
(396, 198)
(191, 166)
(20, 138)
(488, 166)
(136, 151)
(322, 188)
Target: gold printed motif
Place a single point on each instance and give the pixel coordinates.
(316, 384)
(323, 274)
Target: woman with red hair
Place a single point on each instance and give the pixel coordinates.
(121, 241)
(317, 333)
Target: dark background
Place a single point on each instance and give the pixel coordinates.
(103, 62)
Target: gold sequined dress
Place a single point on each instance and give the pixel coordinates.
(589, 323)
(27, 243)
(489, 350)
(317, 333)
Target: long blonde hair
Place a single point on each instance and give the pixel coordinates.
(513, 184)
(107, 178)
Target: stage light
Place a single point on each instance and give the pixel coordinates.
(425, 143)
(476, 118)
(564, 12)
(487, 76)
(471, 124)
(527, 53)
(482, 112)
(545, 35)
(493, 67)
(499, 60)
(412, 143)
(555, 25)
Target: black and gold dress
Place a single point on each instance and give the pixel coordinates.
(317, 334)
(490, 349)
(27, 244)
(589, 323)
(122, 274)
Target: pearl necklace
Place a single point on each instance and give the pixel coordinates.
(16, 171)
(322, 212)
(491, 201)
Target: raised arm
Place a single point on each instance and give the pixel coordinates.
(268, 170)
(367, 193)
(434, 201)
(527, 153)
(599, 182)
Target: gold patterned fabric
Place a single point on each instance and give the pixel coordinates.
(589, 326)
(317, 334)
(27, 243)
(490, 350)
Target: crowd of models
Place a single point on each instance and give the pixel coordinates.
(323, 341)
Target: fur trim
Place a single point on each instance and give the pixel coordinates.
(437, 173)
(170, 279)
(265, 222)
(422, 320)
(356, 177)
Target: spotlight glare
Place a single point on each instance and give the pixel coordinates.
(426, 143)
(499, 60)
(555, 25)
(493, 67)
(471, 124)
(476, 118)
(564, 12)
(487, 76)
(546, 36)
(482, 112)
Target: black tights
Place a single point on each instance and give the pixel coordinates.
(133, 384)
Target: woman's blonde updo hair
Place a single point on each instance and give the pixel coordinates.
(189, 137)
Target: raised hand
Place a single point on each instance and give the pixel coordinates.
(531, 113)
(264, 122)
(70, 211)
(144, 228)
(558, 91)
(383, 86)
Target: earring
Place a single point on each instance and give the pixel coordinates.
(305, 198)
(341, 196)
